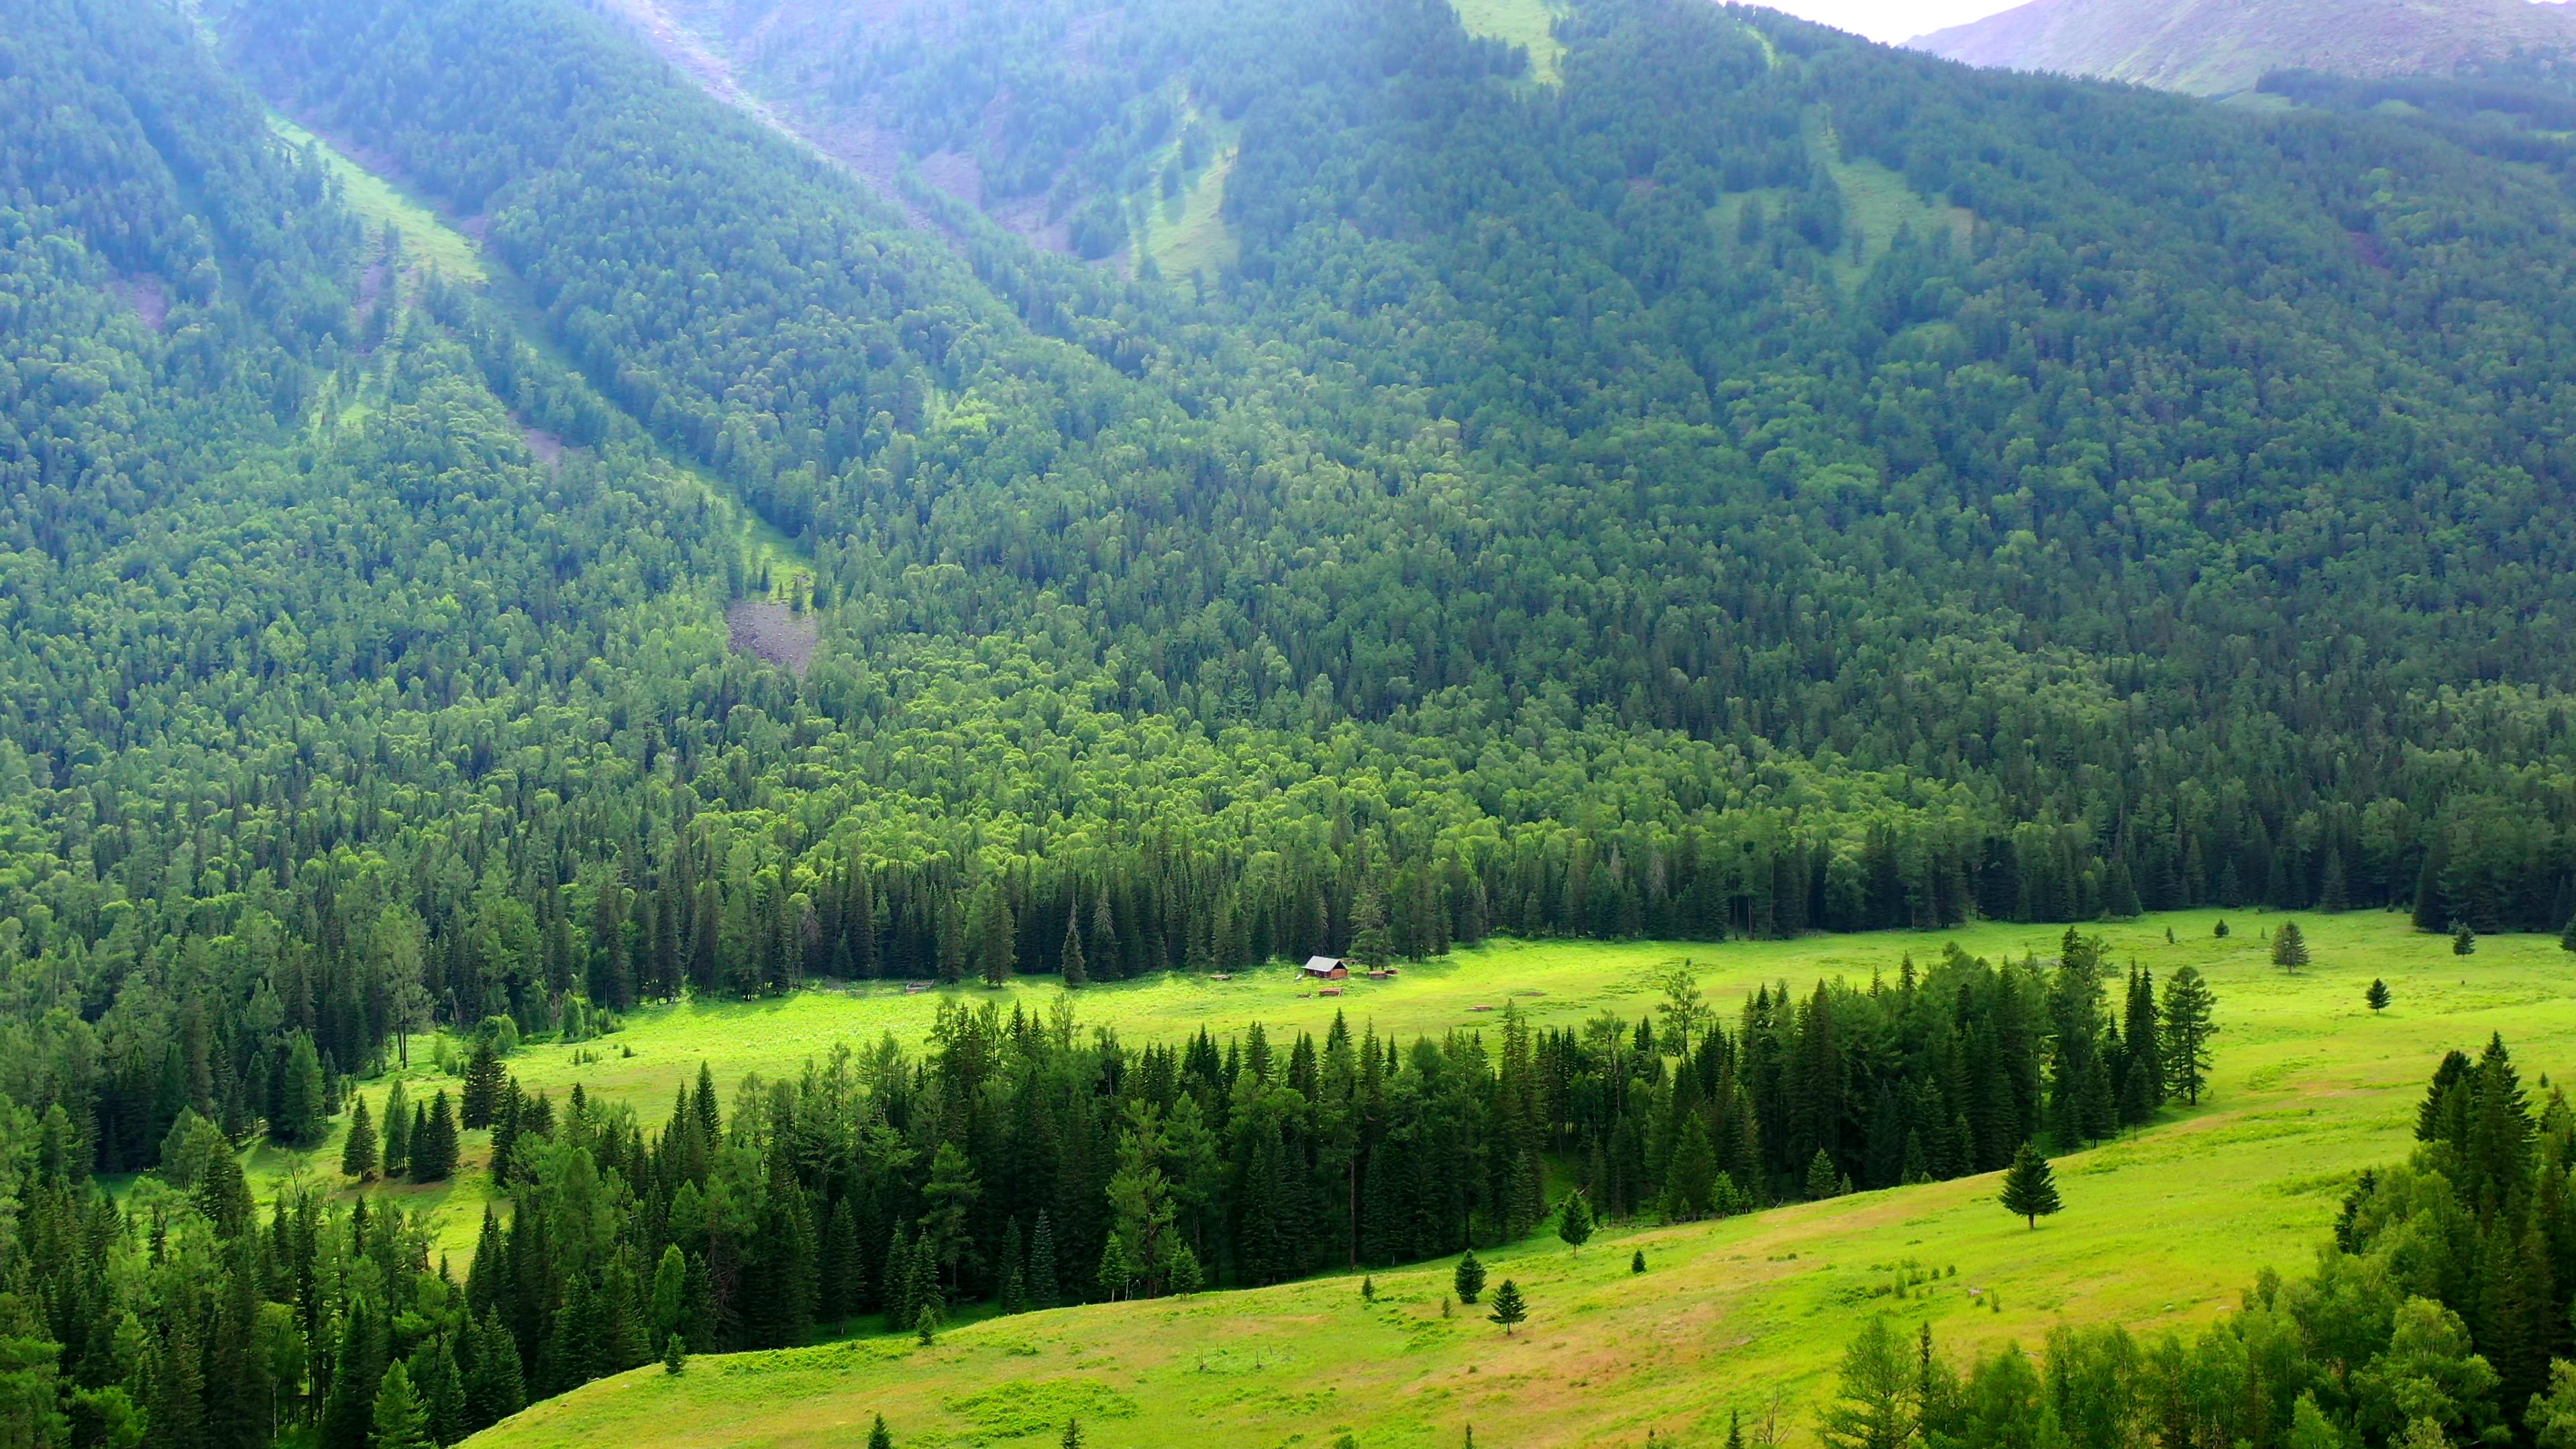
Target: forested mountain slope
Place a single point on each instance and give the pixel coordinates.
(2216, 47)
(1736, 481)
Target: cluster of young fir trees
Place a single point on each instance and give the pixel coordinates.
(1015, 1160)
(2438, 1316)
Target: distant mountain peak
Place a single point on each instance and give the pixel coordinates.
(2215, 47)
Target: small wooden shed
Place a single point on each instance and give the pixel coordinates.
(1325, 968)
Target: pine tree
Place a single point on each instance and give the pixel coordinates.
(2377, 997)
(1637, 1261)
(2333, 894)
(358, 1155)
(880, 1437)
(1509, 1307)
(2464, 941)
(2220, 930)
(1072, 1438)
(925, 1324)
(2187, 1029)
(400, 1422)
(1873, 1406)
(2289, 947)
(2030, 1186)
(1470, 1278)
(1574, 1221)
(899, 1305)
(433, 1151)
(675, 1353)
(839, 1286)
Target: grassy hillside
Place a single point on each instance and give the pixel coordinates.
(2162, 1229)
(2216, 47)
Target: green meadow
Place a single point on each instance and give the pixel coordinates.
(2162, 1229)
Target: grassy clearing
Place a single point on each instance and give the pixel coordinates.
(1877, 203)
(1528, 24)
(2162, 1229)
(428, 244)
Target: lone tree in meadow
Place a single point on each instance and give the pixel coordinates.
(1470, 1280)
(880, 1437)
(675, 1354)
(1822, 1180)
(1509, 1307)
(2377, 996)
(1574, 1221)
(2221, 931)
(2187, 1028)
(2289, 947)
(2464, 941)
(2030, 1186)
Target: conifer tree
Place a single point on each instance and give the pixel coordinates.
(2567, 938)
(2289, 947)
(840, 1285)
(400, 1422)
(1873, 1406)
(1043, 1289)
(925, 1324)
(433, 1150)
(670, 1291)
(1509, 1307)
(2377, 997)
(1014, 1285)
(1072, 1438)
(397, 1153)
(898, 1282)
(1637, 1261)
(1823, 1181)
(2464, 941)
(299, 1095)
(675, 1353)
(358, 1154)
(2188, 1026)
(1072, 967)
(880, 1437)
(2030, 1186)
(2220, 931)
(482, 1091)
(1574, 1221)
(1470, 1278)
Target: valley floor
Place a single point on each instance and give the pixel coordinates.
(2162, 1229)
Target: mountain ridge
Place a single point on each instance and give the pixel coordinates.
(2219, 47)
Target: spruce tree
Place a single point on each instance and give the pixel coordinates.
(400, 1422)
(1823, 1180)
(1074, 975)
(675, 1353)
(482, 1093)
(299, 1120)
(2030, 1186)
(1072, 1438)
(1574, 1221)
(1470, 1278)
(925, 1324)
(1043, 1289)
(358, 1155)
(2567, 938)
(397, 1153)
(1637, 1261)
(433, 1152)
(2377, 997)
(880, 1437)
(2289, 947)
(1014, 1286)
(2187, 1028)
(898, 1281)
(842, 1272)
(1509, 1307)
(2464, 941)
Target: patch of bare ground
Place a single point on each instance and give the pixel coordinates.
(149, 299)
(774, 632)
(547, 446)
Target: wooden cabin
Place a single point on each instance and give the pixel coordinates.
(1325, 968)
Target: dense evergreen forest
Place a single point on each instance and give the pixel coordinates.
(1582, 508)
(2432, 1319)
